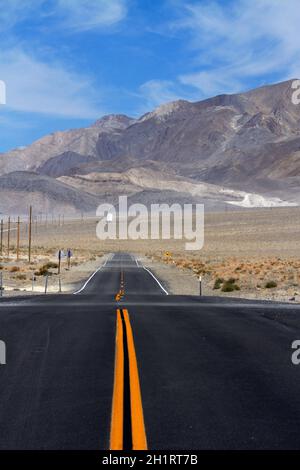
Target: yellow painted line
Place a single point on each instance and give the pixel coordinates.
(138, 433)
(116, 431)
(139, 440)
(121, 292)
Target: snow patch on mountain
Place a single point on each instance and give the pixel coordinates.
(256, 200)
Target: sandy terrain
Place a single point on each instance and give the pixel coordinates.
(249, 253)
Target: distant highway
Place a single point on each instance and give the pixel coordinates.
(124, 365)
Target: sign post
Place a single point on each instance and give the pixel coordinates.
(46, 283)
(69, 256)
(59, 261)
(33, 281)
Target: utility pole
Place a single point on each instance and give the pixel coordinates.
(29, 234)
(1, 238)
(18, 239)
(8, 237)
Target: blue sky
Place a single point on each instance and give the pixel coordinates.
(66, 63)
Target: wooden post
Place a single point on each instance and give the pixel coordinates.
(59, 261)
(30, 234)
(200, 282)
(18, 239)
(8, 237)
(46, 284)
(1, 238)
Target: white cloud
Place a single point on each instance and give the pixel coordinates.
(15, 11)
(239, 41)
(43, 86)
(83, 15)
(156, 92)
(37, 87)
(76, 15)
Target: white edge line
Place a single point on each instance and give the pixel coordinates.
(135, 259)
(148, 270)
(91, 277)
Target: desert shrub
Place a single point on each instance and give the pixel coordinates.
(43, 271)
(230, 285)
(218, 282)
(50, 265)
(21, 277)
(14, 269)
(271, 284)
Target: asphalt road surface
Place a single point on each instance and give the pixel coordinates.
(121, 364)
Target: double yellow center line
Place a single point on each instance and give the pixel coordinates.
(127, 421)
(121, 292)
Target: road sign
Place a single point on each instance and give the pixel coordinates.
(69, 256)
(60, 254)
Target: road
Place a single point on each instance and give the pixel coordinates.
(121, 364)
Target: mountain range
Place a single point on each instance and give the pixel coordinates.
(241, 150)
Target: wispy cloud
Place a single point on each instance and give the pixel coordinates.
(76, 15)
(15, 11)
(36, 87)
(84, 15)
(156, 92)
(37, 84)
(239, 41)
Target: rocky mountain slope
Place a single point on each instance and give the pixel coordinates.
(241, 149)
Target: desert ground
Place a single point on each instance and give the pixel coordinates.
(247, 253)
